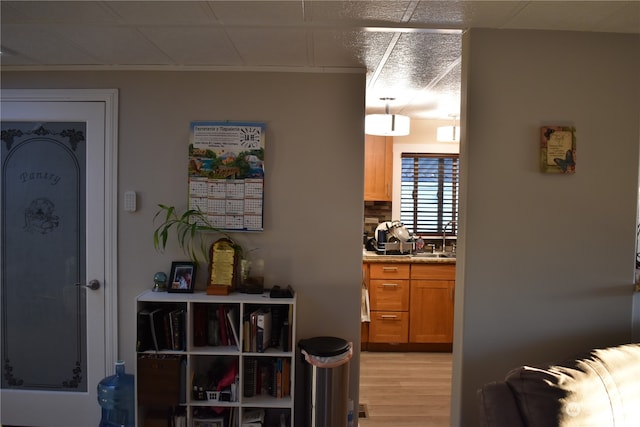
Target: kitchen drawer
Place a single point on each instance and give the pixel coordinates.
(389, 271)
(389, 294)
(389, 327)
(433, 271)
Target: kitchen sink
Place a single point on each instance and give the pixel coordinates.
(435, 255)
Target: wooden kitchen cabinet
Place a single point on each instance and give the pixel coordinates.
(378, 168)
(431, 305)
(364, 326)
(389, 301)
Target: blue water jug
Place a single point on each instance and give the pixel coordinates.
(115, 396)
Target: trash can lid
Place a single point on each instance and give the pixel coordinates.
(324, 346)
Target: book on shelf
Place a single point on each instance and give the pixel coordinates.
(232, 318)
(157, 329)
(250, 377)
(253, 417)
(222, 323)
(161, 329)
(216, 325)
(280, 330)
(260, 330)
(177, 320)
(282, 375)
(199, 325)
(279, 315)
(246, 333)
(263, 329)
(145, 340)
(209, 422)
(269, 376)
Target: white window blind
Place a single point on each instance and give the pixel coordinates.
(429, 193)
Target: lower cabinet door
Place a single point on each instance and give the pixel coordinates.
(389, 327)
(431, 309)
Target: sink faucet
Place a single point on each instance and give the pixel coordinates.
(444, 234)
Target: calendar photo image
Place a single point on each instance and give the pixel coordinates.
(226, 173)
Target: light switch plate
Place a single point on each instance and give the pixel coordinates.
(130, 201)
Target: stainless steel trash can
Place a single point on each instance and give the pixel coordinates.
(326, 378)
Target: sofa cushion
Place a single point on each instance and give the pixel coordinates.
(498, 406)
(596, 391)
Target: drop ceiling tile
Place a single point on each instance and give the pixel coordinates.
(114, 45)
(162, 12)
(272, 47)
(258, 13)
(350, 48)
(420, 58)
(445, 14)
(350, 12)
(624, 20)
(57, 11)
(41, 45)
(566, 15)
(194, 45)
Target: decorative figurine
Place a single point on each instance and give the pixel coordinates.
(159, 282)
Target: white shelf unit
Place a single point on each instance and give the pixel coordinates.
(199, 357)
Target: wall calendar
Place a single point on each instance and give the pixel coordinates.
(226, 173)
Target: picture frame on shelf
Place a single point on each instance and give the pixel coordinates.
(182, 277)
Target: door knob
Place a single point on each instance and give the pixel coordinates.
(93, 284)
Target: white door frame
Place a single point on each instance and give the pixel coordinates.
(110, 99)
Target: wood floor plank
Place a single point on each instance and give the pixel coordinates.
(405, 389)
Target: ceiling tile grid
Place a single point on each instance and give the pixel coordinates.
(408, 49)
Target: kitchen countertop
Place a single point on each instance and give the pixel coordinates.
(373, 257)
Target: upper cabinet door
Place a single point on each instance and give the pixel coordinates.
(378, 167)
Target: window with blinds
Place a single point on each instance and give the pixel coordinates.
(429, 193)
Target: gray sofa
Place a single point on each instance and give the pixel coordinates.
(599, 389)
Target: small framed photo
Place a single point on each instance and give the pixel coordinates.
(182, 277)
(558, 149)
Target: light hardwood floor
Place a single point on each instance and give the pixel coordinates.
(405, 389)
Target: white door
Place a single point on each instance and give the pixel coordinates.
(57, 236)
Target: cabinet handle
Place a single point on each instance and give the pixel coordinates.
(389, 268)
(389, 285)
(388, 316)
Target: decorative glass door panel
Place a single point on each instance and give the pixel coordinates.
(43, 256)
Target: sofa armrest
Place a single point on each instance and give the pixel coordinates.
(498, 407)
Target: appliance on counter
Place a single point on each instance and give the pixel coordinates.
(392, 238)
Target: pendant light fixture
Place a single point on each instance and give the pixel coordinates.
(449, 133)
(387, 124)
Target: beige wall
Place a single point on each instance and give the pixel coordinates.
(546, 262)
(313, 185)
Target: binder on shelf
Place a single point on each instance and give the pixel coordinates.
(157, 329)
(145, 340)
